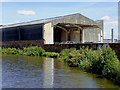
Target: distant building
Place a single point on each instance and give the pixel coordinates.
(109, 41)
(74, 27)
(118, 41)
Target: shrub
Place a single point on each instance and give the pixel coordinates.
(51, 54)
(20, 52)
(103, 62)
(33, 51)
(74, 58)
(9, 51)
(85, 64)
(30, 51)
(97, 61)
(111, 68)
(64, 54)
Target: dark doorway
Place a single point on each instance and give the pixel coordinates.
(80, 36)
(57, 34)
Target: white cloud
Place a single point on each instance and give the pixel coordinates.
(110, 23)
(105, 18)
(109, 20)
(24, 12)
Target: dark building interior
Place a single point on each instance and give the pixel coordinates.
(22, 33)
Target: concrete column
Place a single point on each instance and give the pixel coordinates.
(101, 36)
(48, 33)
(52, 41)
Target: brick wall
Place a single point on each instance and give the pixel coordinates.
(94, 46)
(21, 44)
(57, 47)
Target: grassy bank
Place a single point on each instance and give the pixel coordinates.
(103, 62)
(30, 51)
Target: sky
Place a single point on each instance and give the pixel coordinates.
(15, 12)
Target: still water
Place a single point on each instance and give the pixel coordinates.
(41, 72)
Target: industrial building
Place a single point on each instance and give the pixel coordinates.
(75, 28)
(110, 41)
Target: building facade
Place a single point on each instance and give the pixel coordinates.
(76, 28)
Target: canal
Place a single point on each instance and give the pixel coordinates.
(41, 72)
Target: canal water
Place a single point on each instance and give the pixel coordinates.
(41, 72)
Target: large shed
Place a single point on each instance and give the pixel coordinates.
(75, 27)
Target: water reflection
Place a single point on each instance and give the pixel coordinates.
(22, 72)
(72, 77)
(40, 72)
(48, 68)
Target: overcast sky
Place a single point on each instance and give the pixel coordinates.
(15, 12)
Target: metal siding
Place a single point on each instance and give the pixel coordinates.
(23, 33)
(10, 34)
(31, 32)
(0, 35)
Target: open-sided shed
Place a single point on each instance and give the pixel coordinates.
(75, 27)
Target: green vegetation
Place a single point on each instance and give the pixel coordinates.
(30, 51)
(103, 62)
(51, 54)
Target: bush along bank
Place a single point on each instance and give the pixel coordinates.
(103, 62)
(30, 51)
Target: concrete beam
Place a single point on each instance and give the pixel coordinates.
(77, 26)
(61, 27)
